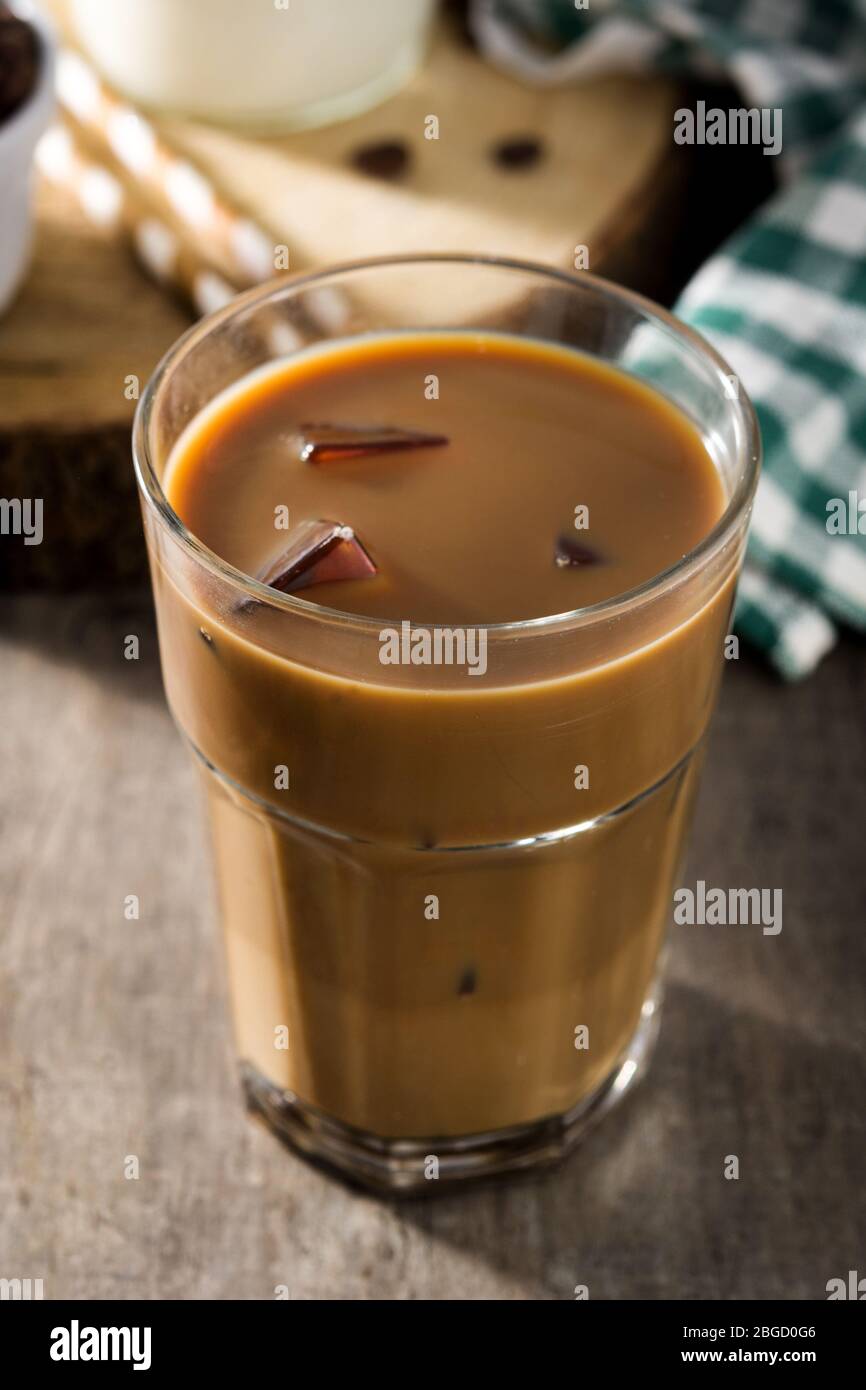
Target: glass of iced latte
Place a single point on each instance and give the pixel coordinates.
(443, 552)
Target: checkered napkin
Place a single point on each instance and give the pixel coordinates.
(785, 299)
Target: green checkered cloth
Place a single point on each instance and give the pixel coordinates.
(785, 299)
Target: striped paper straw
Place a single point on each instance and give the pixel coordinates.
(224, 233)
(109, 205)
(136, 143)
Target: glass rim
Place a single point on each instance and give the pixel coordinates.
(749, 447)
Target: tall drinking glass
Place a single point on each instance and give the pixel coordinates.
(394, 1048)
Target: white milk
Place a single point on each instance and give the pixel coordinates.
(266, 63)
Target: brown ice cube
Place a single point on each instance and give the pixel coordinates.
(322, 443)
(572, 552)
(318, 552)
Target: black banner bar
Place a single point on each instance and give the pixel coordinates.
(157, 1339)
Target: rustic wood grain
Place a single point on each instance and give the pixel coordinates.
(114, 1037)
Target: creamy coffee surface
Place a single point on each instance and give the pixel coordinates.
(561, 482)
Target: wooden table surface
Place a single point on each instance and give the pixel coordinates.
(114, 1036)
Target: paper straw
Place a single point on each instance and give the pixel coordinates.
(217, 226)
(235, 239)
(165, 256)
(109, 205)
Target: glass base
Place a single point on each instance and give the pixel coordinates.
(409, 1167)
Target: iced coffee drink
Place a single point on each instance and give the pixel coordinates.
(442, 609)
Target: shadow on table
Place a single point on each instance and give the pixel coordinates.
(89, 632)
(762, 1052)
(643, 1208)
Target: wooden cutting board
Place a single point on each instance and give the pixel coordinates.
(608, 177)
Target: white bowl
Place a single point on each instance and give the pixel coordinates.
(18, 137)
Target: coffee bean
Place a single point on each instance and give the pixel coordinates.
(518, 152)
(386, 159)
